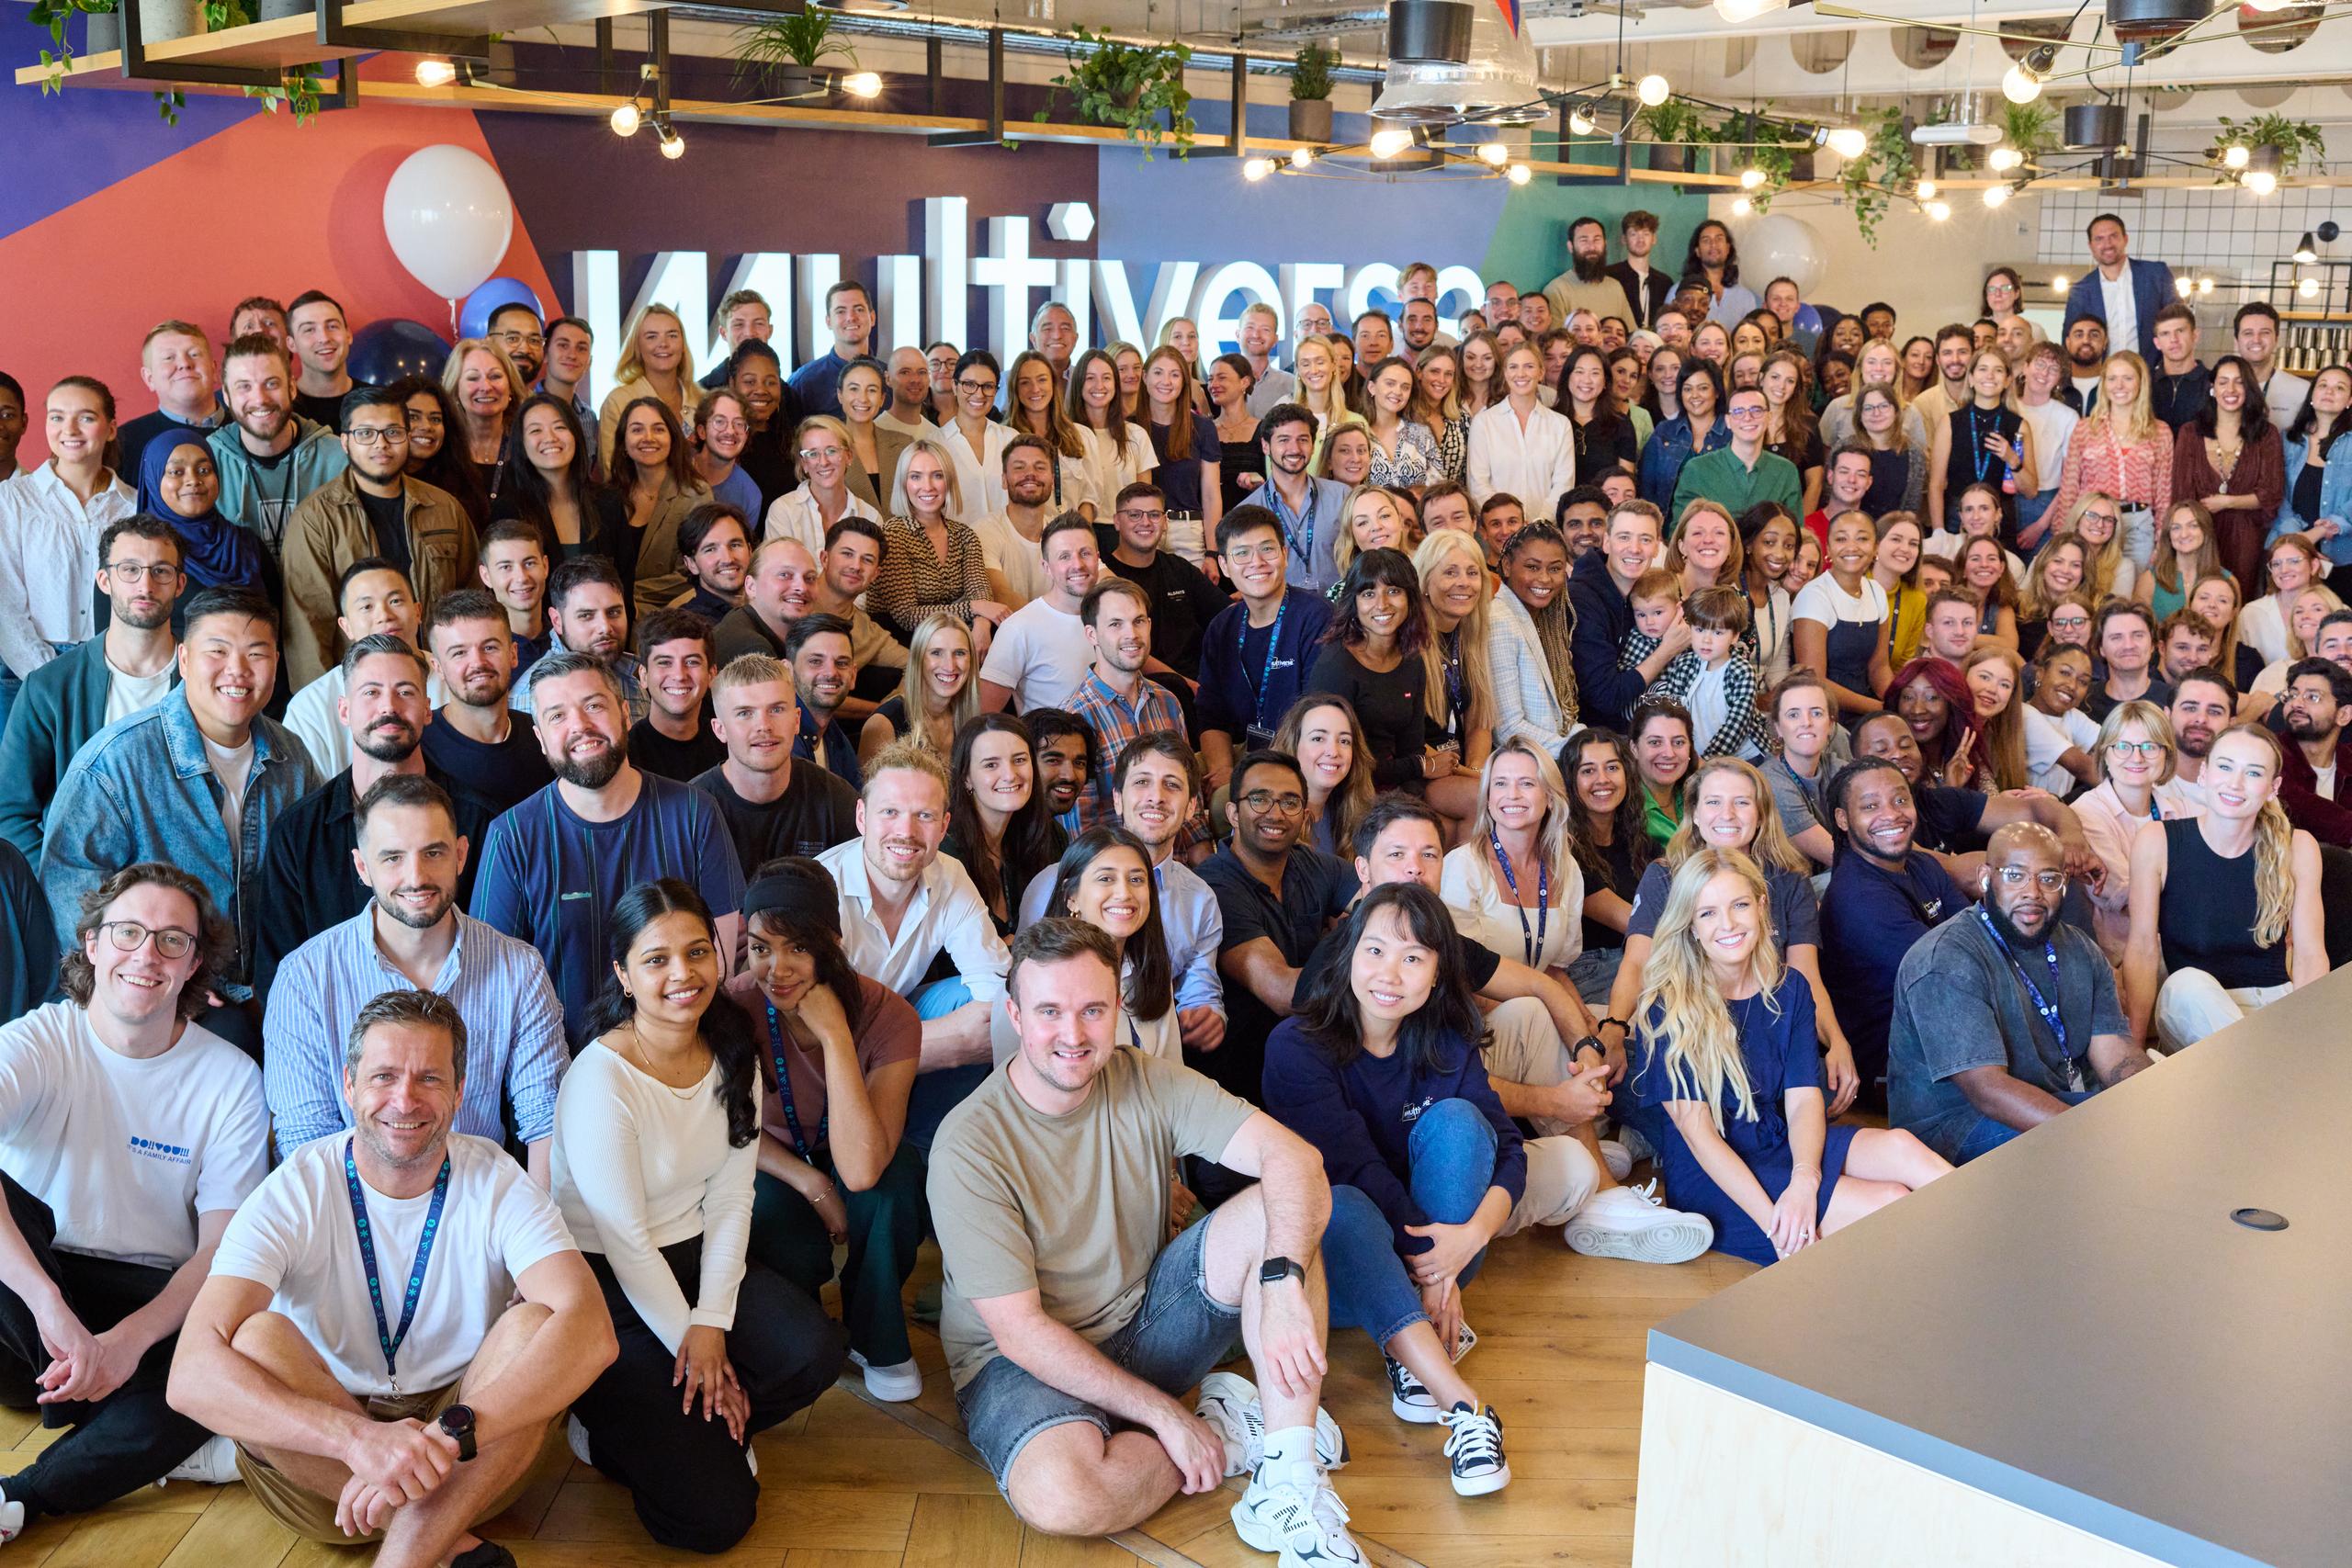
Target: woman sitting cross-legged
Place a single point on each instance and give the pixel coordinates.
(1382, 1071)
(837, 1060)
(656, 1140)
(1725, 1048)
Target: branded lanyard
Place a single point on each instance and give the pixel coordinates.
(1274, 646)
(1983, 458)
(1533, 942)
(388, 1338)
(2046, 1006)
(1306, 552)
(800, 1143)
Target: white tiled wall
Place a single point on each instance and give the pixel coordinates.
(2227, 233)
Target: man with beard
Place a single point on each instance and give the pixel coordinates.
(909, 409)
(1011, 542)
(554, 866)
(474, 735)
(1955, 349)
(410, 854)
(2203, 703)
(818, 651)
(175, 364)
(715, 547)
(1041, 654)
(373, 598)
(852, 559)
(2188, 640)
(1065, 749)
(774, 806)
(777, 593)
(1261, 327)
(1588, 284)
(2125, 635)
(1583, 522)
(1883, 898)
(2119, 293)
(756, 377)
(514, 327)
(320, 338)
(588, 613)
(2085, 345)
(674, 738)
(304, 885)
(1183, 600)
(1116, 700)
(2008, 1018)
(271, 459)
(125, 669)
(1952, 823)
(1420, 319)
(1310, 511)
(2316, 705)
(373, 510)
(131, 1135)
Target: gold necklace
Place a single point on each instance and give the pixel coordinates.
(645, 1065)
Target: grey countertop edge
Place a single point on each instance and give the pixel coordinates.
(2036, 1493)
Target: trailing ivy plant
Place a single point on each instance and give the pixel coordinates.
(1763, 147)
(1127, 86)
(2293, 138)
(1885, 165)
(54, 14)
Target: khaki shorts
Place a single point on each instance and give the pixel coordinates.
(312, 1517)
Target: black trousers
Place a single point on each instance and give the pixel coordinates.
(886, 1224)
(118, 1444)
(686, 1476)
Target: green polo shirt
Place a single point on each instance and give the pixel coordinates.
(1719, 476)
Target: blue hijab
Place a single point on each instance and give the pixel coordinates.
(214, 551)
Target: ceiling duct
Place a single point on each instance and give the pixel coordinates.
(1450, 61)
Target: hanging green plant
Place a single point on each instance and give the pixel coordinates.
(1677, 130)
(1766, 151)
(2030, 129)
(1310, 71)
(2292, 138)
(1886, 165)
(1127, 86)
(54, 14)
(783, 52)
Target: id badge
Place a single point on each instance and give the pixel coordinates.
(1260, 737)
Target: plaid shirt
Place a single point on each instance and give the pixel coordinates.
(1115, 724)
(1743, 732)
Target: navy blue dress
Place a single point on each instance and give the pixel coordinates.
(1782, 1053)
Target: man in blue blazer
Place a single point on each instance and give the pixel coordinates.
(2102, 293)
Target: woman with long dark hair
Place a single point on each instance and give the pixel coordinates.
(2318, 501)
(1104, 878)
(1613, 847)
(1241, 463)
(1381, 1070)
(1371, 655)
(1698, 427)
(550, 483)
(1603, 437)
(1184, 444)
(999, 824)
(436, 454)
(1032, 407)
(657, 1129)
(653, 472)
(2229, 457)
(837, 1063)
(1528, 638)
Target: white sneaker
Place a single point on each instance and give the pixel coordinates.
(1633, 1223)
(1306, 1525)
(1630, 1139)
(1230, 1403)
(1617, 1157)
(12, 1521)
(1474, 1447)
(893, 1384)
(576, 1435)
(214, 1463)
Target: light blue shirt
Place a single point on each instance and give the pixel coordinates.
(1189, 919)
(1312, 534)
(514, 1047)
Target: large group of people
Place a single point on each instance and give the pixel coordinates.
(545, 886)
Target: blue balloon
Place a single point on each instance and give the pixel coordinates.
(473, 317)
(384, 350)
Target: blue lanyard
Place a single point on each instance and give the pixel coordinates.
(800, 1143)
(1274, 646)
(1533, 942)
(1306, 552)
(1982, 459)
(388, 1338)
(2046, 1006)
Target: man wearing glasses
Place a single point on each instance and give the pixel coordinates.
(1183, 600)
(129, 1135)
(2005, 1016)
(371, 509)
(1738, 476)
(514, 327)
(125, 669)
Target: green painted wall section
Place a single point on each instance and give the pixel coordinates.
(1530, 244)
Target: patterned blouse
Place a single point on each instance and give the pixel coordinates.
(2096, 460)
(914, 582)
(1415, 461)
(1453, 460)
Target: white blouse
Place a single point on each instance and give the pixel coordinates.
(1536, 462)
(1485, 911)
(794, 515)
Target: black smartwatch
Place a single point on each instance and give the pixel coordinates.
(1274, 1270)
(1590, 1043)
(457, 1424)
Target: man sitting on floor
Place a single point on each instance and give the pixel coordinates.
(1067, 1313)
(2003, 1021)
(347, 1435)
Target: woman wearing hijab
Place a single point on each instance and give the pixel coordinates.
(179, 484)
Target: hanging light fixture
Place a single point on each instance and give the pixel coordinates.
(2307, 249)
(2021, 83)
(862, 83)
(1519, 174)
(1938, 211)
(2261, 174)
(673, 146)
(1494, 154)
(1257, 169)
(1389, 141)
(1995, 196)
(432, 72)
(1846, 141)
(1302, 157)
(1738, 11)
(2003, 158)
(1579, 122)
(1653, 90)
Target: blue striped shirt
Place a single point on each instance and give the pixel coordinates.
(515, 1046)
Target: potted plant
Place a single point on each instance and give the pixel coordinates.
(1129, 85)
(1763, 147)
(1310, 93)
(102, 33)
(784, 50)
(2030, 129)
(2292, 138)
(1674, 131)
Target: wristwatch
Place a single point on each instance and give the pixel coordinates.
(457, 1424)
(1274, 1270)
(1590, 1043)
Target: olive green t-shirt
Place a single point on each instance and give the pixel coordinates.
(1075, 1207)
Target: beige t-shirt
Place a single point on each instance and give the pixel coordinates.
(1073, 1207)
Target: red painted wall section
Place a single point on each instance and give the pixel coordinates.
(171, 240)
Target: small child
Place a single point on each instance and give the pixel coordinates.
(1656, 595)
(1715, 677)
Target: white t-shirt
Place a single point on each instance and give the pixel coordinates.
(127, 1151)
(1115, 471)
(2264, 629)
(2052, 424)
(1041, 652)
(1484, 910)
(2084, 385)
(1822, 601)
(2046, 741)
(1012, 555)
(127, 694)
(637, 1168)
(1945, 545)
(2323, 782)
(234, 769)
(296, 1236)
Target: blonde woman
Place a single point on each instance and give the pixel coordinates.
(2294, 564)
(933, 562)
(487, 390)
(1730, 807)
(808, 513)
(2124, 449)
(1728, 1076)
(1127, 360)
(1458, 692)
(1515, 883)
(2060, 568)
(2314, 605)
(1343, 451)
(2096, 518)
(1437, 408)
(1984, 441)
(2225, 906)
(653, 362)
(1318, 382)
(1518, 446)
(2135, 757)
(938, 692)
(1376, 520)
(1878, 363)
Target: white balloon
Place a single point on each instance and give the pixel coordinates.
(449, 219)
(1776, 245)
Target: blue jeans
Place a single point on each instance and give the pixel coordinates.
(1989, 1135)
(937, 1093)
(1453, 1153)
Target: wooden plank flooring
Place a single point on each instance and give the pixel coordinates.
(851, 1484)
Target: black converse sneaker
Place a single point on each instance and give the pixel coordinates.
(1474, 1446)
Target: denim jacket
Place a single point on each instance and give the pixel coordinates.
(143, 789)
(2334, 498)
(1662, 458)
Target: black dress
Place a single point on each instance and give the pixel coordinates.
(1388, 706)
(1968, 463)
(1241, 471)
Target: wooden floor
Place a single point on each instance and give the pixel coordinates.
(852, 1485)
